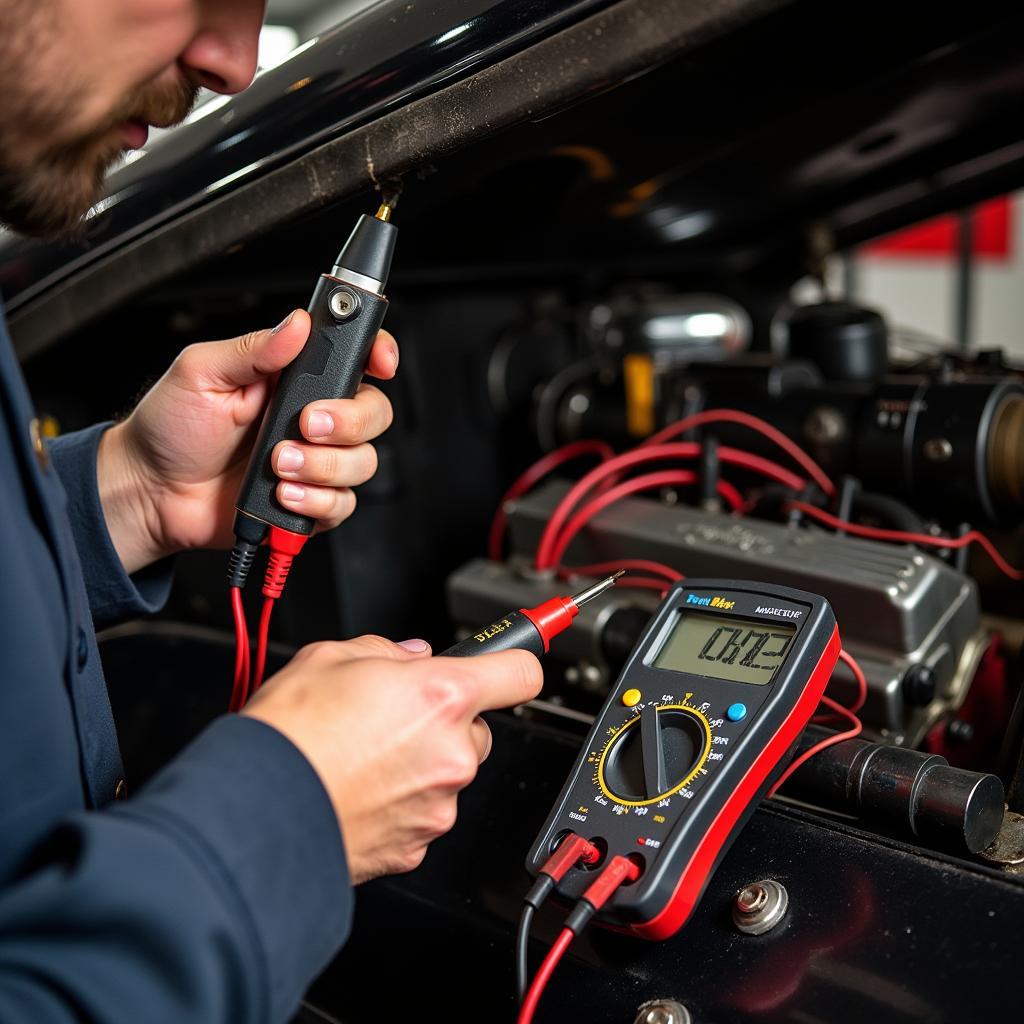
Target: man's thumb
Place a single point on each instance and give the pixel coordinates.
(251, 357)
(371, 646)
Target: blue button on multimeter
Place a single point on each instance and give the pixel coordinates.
(736, 712)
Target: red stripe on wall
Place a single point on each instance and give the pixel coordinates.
(937, 238)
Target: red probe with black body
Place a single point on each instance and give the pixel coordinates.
(529, 629)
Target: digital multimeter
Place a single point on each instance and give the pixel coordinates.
(713, 696)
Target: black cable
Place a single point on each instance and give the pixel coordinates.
(893, 513)
(522, 952)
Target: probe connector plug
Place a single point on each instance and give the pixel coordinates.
(240, 562)
(284, 546)
(620, 870)
(249, 535)
(573, 851)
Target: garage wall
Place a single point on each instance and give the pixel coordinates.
(918, 290)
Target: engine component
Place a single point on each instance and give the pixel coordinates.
(949, 448)
(907, 790)
(950, 443)
(901, 611)
(845, 342)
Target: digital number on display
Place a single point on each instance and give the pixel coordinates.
(741, 650)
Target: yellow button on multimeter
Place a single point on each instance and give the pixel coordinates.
(631, 698)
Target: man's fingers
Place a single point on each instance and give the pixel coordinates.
(383, 361)
(347, 421)
(501, 680)
(329, 506)
(324, 465)
(368, 646)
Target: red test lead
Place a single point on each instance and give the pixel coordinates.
(529, 629)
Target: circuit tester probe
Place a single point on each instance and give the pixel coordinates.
(346, 310)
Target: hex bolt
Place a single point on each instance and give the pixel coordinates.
(759, 906)
(663, 1011)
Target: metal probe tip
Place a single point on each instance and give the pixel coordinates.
(598, 588)
(384, 212)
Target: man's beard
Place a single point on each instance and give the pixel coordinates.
(51, 195)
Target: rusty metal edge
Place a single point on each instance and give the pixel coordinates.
(586, 58)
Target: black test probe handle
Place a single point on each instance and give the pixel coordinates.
(529, 629)
(347, 309)
(512, 630)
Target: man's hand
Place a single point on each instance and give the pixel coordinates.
(393, 734)
(170, 473)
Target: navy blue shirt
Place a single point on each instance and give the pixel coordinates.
(214, 894)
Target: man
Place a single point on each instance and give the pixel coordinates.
(219, 890)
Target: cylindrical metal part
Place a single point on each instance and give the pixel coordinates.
(959, 807)
(905, 790)
(847, 343)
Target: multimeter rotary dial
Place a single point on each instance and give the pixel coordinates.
(655, 754)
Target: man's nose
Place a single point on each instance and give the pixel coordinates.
(223, 53)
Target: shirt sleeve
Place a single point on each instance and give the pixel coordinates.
(114, 596)
(216, 895)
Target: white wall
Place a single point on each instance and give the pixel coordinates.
(919, 292)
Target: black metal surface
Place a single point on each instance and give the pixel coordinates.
(875, 930)
(715, 138)
(384, 56)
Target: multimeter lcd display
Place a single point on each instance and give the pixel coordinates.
(740, 650)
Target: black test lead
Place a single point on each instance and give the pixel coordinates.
(529, 629)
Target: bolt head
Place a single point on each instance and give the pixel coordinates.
(751, 899)
(760, 906)
(663, 1011)
(937, 449)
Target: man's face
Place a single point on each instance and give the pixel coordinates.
(81, 81)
